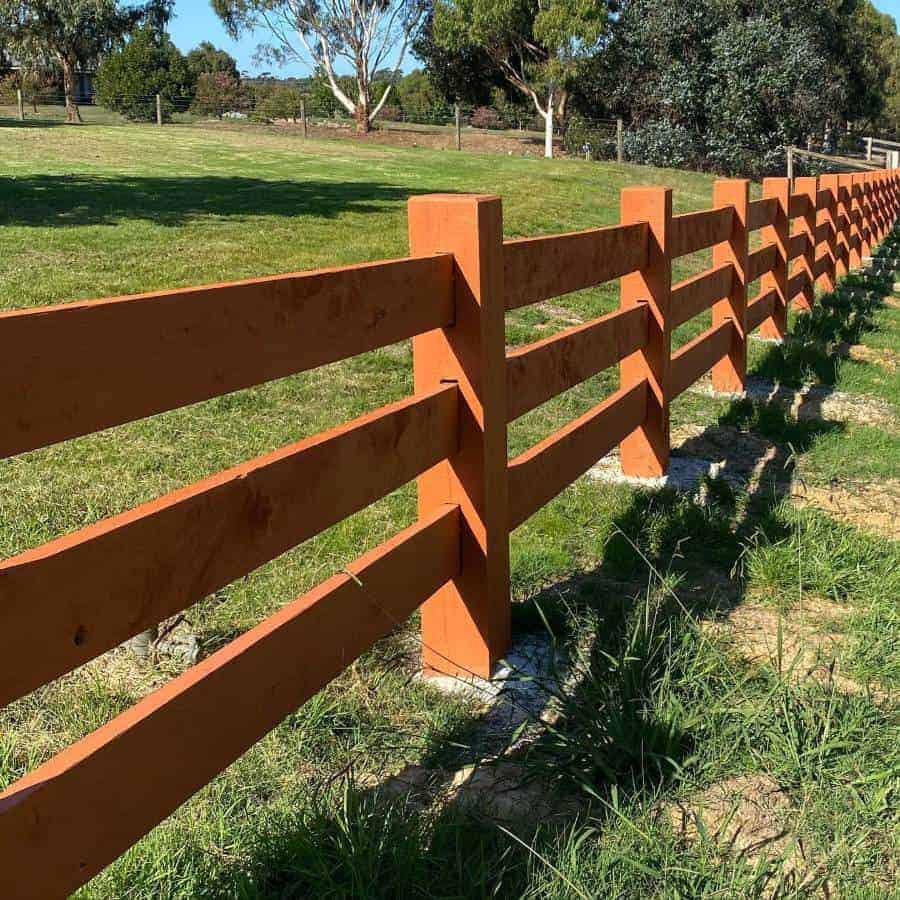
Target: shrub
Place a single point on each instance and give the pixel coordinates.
(129, 79)
(662, 143)
(282, 103)
(218, 93)
(485, 117)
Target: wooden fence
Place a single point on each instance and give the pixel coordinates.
(70, 370)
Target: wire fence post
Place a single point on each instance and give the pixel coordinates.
(620, 141)
(466, 624)
(303, 120)
(158, 110)
(790, 165)
(868, 149)
(458, 122)
(645, 452)
(20, 100)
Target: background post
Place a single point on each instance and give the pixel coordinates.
(645, 452)
(466, 625)
(20, 101)
(779, 233)
(620, 141)
(730, 373)
(458, 126)
(158, 110)
(829, 184)
(303, 120)
(808, 187)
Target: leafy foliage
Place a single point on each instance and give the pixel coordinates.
(149, 64)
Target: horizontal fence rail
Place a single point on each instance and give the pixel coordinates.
(539, 268)
(74, 369)
(200, 343)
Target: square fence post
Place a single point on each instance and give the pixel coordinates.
(807, 187)
(645, 452)
(866, 227)
(878, 204)
(730, 373)
(466, 624)
(845, 183)
(779, 233)
(855, 221)
(829, 184)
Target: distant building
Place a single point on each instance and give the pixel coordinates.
(84, 85)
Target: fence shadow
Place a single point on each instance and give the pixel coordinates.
(75, 200)
(606, 738)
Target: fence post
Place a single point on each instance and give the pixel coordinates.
(829, 183)
(158, 110)
(458, 123)
(20, 101)
(865, 204)
(620, 141)
(730, 373)
(779, 233)
(303, 120)
(844, 184)
(808, 187)
(645, 452)
(466, 625)
(855, 238)
(869, 149)
(790, 164)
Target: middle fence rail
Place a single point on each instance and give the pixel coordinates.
(74, 369)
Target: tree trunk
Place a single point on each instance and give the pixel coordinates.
(362, 116)
(548, 127)
(73, 116)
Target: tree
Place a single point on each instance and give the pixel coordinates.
(366, 34)
(537, 45)
(74, 32)
(217, 93)
(206, 58)
(129, 79)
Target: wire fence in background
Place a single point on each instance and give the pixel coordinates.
(440, 124)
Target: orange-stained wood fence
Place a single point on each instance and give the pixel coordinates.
(71, 370)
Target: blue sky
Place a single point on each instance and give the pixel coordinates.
(194, 22)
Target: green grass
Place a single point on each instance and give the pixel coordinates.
(627, 580)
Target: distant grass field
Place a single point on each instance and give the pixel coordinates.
(627, 579)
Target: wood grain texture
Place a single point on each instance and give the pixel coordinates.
(692, 361)
(67, 601)
(696, 295)
(539, 371)
(761, 261)
(539, 268)
(699, 230)
(65, 821)
(539, 474)
(74, 369)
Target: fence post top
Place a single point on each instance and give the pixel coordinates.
(648, 189)
(454, 198)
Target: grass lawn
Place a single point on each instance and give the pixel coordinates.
(638, 586)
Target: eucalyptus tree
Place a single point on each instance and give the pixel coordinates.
(73, 33)
(366, 36)
(536, 45)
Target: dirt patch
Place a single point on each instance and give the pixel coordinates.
(873, 507)
(800, 643)
(499, 790)
(747, 816)
(885, 359)
(432, 138)
(892, 302)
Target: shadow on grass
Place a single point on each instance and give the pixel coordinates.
(75, 200)
(817, 344)
(30, 123)
(642, 702)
